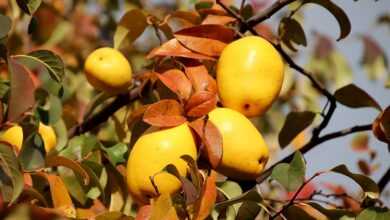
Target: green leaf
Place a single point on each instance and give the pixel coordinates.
(22, 90)
(368, 186)
(231, 190)
(29, 6)
(132, 25)
(116, 153)
(31, 156)
(374, 214)
(294, 124)
(248, 211)
(203, 5)
(10, 166)
(98, 177)
(5, 25)
(291, 30)
(52, 62)
(374, 59)
(292, 175)
(73, 184)
(251, 195)
(354, 97)
(338, 13)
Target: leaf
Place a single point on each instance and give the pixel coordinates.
(22, 90)
(374, 214)
(291, 176)
(291, 30)
(55, 161)
(218, 20)
(116, 153)
(374, 59)
(60, 195)
(248, 210)
(5, 25)
(163, 209)
(381, 126)
(11, 168)
(131, 25)
(338, 13)
(209, 31)
(231, 190)
(208, 197)
(201, 79)
(165, 113)
(176, 81)
(295, 123)
(201, 104)
(204, 46)
(368, 186)
(360, 142)
(73, 184)
(212, 139)
(251, 195)
(203, 5)
(193, 170)
(29, 6)
(354, 97)
(304, 211)
(190, 192)
(189, 16)
(98, 177)
(175, 49)
(144, 212)
(332, 214)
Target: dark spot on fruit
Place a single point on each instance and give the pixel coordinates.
(247, 106)
(100, 58)
(262, 160)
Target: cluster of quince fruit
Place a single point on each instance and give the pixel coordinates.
(249, 77)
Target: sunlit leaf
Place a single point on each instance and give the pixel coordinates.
(131, 26)
(251, 195)
(189, 16)
(165, 113)
(29, 6)
(204, 46)
(374, 214)
(374, 59)
(360, 142)
(201, 104)
(163, 209)
(368, 186)
(354, 97)
(218, 20)
(22, 90)
(176, 81)
(209, 31)
(295, 123)
(116, 153)
(292, 175)
(338, 13)
(201, 79)
(11, 168)
(208, 197)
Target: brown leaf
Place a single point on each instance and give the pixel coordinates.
(208, 197)
(165, 113)
(212, 139)
(201, 104)
(144, 213)
(136, 115)
(209, 31)
(22, 90)
(381, 126)
(54, 161)
(360, 142)
(200, 79)
(205, 46)
(218, 20)
(189, 16)
(175, 49)
(364, 167)
(176, 81)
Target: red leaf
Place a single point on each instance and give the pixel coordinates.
(200, 79)
(189, 16)
(305, 193)
(144, 212)
(175, 49)
(212, 139)
(210, 31)
(381, 126)
(176, 81)
(364, 167)
(205, 46)
(22, 90)
(209, 195)
(218, 20)
(165, 113)
(201, 104)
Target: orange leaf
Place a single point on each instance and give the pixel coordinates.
(191, 17)
(205, 46)
(212, 139)
(165, 113)
(200, 79)
(175, 49)
(60, 195)
(163, 209)
(144, 213)
(381, 126)
(209, 31)
(201, 104)
(218, 20)
(176, 81)
(209, 195)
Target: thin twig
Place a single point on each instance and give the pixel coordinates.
(291, 202)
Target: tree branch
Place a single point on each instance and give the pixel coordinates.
(384, 181)
(105, 113)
